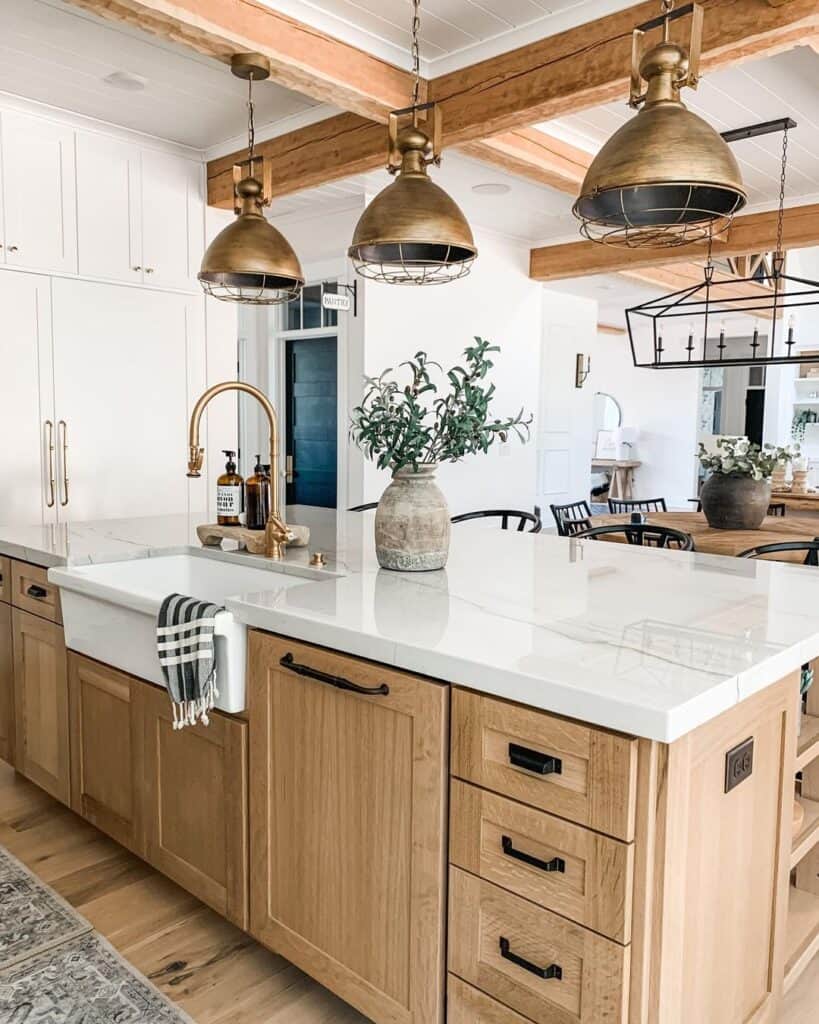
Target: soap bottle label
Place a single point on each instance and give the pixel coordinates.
(229, 499)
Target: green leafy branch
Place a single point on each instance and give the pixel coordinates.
(409, 424)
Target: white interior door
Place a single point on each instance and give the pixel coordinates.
(121, 364)
(109, 208)
(38, 193)
(27, 400)
(172, 219)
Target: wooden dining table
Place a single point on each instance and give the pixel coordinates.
(773, 530)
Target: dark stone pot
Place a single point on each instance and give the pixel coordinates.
(735, 502)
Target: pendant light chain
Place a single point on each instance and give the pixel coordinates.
(779, 255)
(251, 127)
(416, 57)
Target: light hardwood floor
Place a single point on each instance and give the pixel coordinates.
(214, 971)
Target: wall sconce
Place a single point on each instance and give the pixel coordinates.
(582, 369)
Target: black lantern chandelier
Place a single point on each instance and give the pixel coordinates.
(688, 328)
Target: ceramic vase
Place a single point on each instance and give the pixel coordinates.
(735, 502)
(412, 522)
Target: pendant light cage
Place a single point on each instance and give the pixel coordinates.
(729, 321)
(665, 178)
(413, 232)
(250, 261)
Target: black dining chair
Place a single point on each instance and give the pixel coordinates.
(810, 547)
(697, 502)
(643, 535)
(569, 518)
(620, 505)
(364, 508)
(523, 518)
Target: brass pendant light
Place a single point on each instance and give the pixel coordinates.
(249, 261)
(413, 232)
(666, 177)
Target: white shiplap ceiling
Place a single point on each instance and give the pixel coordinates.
(748, 93)
(57, 54)
(453, 33)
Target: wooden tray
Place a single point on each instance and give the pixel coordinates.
(211, 535)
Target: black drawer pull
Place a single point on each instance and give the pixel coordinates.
(555, 864)
(339, 682)
(38, 592)
(553, 971)
(534, 761)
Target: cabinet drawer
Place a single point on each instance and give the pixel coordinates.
(578, 873)
(466, 1005)
(31, 591)
(505, 945)
(5, 579)
(576, 771)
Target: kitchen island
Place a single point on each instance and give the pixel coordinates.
(568, 764)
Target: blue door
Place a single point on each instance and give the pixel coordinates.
(312, 421)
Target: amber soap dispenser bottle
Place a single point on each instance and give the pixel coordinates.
(229, 488)
(258, 497)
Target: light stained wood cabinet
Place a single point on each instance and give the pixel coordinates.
(41, 703)
(348, 829)
(39, 201)
(31, 591)
(570, 769)
(468, 1005)
(6, 684)
(196, 798)
(106, 749)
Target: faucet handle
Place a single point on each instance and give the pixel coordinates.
(196, 457)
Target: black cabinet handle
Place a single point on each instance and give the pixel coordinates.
(553, 971)
(534, 761)
(555, 864)
(339, 682)
(38, 592)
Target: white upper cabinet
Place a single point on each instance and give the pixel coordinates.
(140, 214)
(109, 208)
(172, 219)
(40, 227)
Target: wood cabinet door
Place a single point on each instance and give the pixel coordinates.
(173, 220)
(39, 194)
(347, 827)
(6, 685)
(109, 208)
(195, 814)
(106, 776)
(41, 703)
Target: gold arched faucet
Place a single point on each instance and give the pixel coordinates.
(276, 532)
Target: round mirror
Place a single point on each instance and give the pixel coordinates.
(607, 412)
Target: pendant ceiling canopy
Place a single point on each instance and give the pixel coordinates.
(249, 261)
(413, 232)
(666, 177)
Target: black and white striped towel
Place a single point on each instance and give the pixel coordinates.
(187, 654)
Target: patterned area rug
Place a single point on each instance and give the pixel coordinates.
(84, 981)
(33, 917)
(55, 970)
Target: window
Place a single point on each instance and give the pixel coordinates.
(307, 313)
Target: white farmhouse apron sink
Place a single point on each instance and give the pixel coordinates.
(110, 612)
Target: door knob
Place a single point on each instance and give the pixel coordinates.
(136, 270)
(149, 270)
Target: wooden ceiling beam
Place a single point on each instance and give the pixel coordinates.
(302, 58)
(751, 233)
(687, 275)
(588, 65)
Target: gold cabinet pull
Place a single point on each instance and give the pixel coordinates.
(52, 476)
(62, 425)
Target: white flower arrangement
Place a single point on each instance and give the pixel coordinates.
(737, 456)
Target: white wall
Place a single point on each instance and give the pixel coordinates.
(497, 301)
(662, 404)
(568, 327)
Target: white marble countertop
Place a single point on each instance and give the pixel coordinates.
(649, 642)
